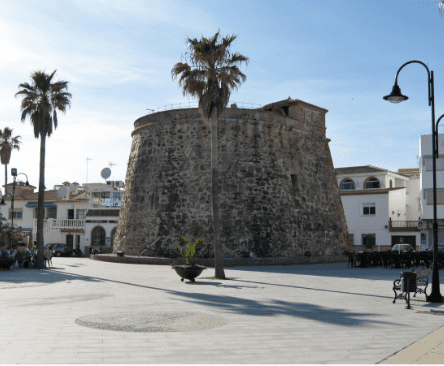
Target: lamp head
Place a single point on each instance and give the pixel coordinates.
(395, 96)
(27, 183)
(3, 201)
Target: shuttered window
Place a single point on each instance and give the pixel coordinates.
(439, 197)
(439, 164)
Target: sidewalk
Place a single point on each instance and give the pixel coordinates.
(309, 314)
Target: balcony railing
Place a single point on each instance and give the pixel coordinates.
(196, 104)
(403, 225)
(50, 224)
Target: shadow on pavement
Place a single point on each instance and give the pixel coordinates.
(339, 270)
(235, 304)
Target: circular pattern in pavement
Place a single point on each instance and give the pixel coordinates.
(154, 321)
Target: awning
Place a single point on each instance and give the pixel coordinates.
(35, 204)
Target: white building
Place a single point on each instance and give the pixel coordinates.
(381, 207)
(426, 223)
(87, 215)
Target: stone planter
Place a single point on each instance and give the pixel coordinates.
(6, 263)
(190, 272)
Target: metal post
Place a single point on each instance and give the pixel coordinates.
(435, 295)
(12, 214)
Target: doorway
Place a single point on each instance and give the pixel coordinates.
(71, 214)
(69, 241)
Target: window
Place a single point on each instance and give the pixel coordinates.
(17, 213)
(372, 183)
(391, 183)
(98, 236)
(348, 184)
(439, 197)
(51, 213)
(117, 196)
(439, 164)
(369, 240)
(369, 209)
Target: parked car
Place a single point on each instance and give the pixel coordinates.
(59, 249)
(402, 248)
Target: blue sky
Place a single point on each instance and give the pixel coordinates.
(117, 57)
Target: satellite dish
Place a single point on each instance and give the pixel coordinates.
(105, 173)
(62, 192)
(71, 187)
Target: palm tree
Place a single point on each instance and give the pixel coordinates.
(40, 101)
(7, 143)
(211, 78)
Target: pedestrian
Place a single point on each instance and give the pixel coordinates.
(48, 254)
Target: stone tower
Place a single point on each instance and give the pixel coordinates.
(279, 195)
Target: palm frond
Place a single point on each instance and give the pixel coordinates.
(213, 73)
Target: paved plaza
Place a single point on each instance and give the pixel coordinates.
(86, 311)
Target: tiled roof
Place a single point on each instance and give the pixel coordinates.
(369, 191)
(287, 102)
(366, 169)
(50, 196)
(103, 212)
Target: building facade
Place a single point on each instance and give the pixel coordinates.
(426, 187)
(278, 190)
(86, 216)
(381, 207)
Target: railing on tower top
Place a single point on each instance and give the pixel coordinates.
(196, 104)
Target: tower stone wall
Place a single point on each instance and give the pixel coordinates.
(279, 195)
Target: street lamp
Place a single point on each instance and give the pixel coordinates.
(396, 97)
(14, 174)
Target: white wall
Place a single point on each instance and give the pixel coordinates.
(359, 224)
(396, 204)
(425, 150)
(413, 209)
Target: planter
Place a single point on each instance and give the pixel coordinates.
(190, 272)
(6, 263)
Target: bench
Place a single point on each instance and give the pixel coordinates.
(422, 281)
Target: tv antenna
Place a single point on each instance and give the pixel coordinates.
(110, 164)
(87, 168)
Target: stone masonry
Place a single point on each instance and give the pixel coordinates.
(279, 195)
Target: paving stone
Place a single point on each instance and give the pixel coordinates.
(292, 326)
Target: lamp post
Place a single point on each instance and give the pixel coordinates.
(396, 97)
(14, 174)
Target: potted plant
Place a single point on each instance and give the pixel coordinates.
(190, 270)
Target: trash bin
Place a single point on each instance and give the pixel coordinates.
(410, 278)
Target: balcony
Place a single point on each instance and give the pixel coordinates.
(51, 224)
(402, 225)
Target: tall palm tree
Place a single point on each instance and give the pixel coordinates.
(212, 76)
(40, 102)
(7, 143)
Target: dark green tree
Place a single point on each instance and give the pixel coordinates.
(41, 100)
(7, 143)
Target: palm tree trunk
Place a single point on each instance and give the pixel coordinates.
(41, 200)
(218, 255)
(6, 176)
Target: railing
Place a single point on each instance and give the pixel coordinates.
(50, 224)
(196, 104)
(403, 225)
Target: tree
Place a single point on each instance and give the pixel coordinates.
(40, 102)
(7, 143)
(212, 76)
